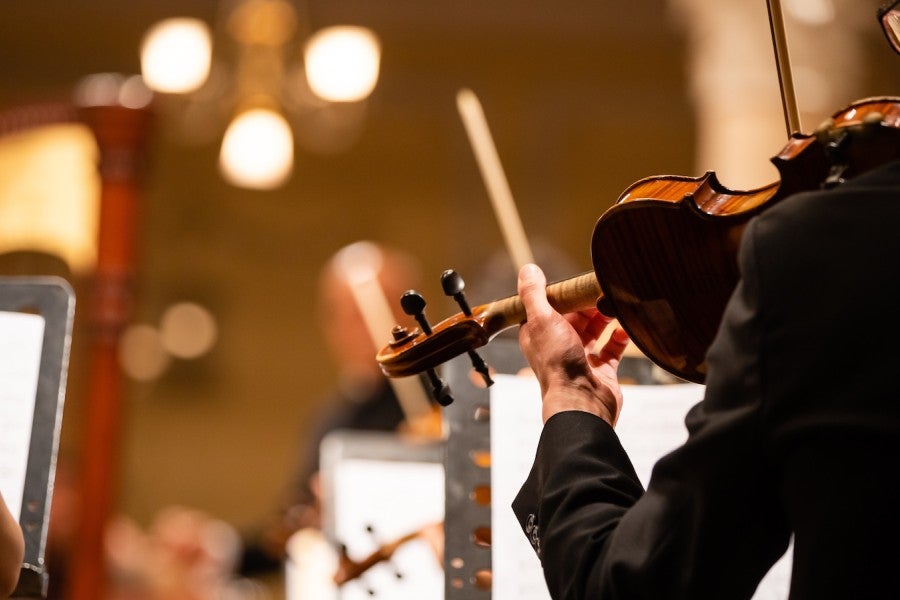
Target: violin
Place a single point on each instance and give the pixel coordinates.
(349, 569)
(664, 255)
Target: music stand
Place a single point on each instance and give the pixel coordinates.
(376, 487)
(53, 300)
(467, 538)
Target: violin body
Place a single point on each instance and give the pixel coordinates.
(666, 268)
(665, 254)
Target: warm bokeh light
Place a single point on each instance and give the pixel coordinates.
(342, 63)
(269, 23)
(257, 150)
(134, 93)
(113, 89)
(141, 353)
(187, 330)
(813, 13)
(176, 54)
(50, 193)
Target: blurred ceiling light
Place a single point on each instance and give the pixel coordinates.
(110, 89)
(187, 330)
(342, 63)
(263, 22)
(176, 54)
(257, 150)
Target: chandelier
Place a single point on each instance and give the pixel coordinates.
(268, 73)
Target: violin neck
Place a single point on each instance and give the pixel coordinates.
(569, 295)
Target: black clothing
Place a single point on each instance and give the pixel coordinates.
(798, 432)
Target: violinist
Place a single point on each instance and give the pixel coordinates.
(361, 399)
(798, 433)
(186, 554)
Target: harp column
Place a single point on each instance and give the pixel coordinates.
(121, 135)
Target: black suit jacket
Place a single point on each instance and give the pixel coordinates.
(798, 432)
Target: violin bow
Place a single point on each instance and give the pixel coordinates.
(783, 65)
(359, 264)
(492, 171)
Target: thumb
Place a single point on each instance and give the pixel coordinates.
(533, 291)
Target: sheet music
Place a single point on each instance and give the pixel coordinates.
(394, 498)
(515, 431)
(651, 424)
(21, 339)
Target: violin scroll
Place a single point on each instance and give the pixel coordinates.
(418, 351)
(413, 304)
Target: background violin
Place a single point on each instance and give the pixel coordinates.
(665, 255)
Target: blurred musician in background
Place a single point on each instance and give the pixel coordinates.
(186, 554)
(361, 399)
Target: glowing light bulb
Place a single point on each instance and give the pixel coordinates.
(257, 150)
(176, 54)
(342, 63)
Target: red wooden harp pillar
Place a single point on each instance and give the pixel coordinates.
(121, 135)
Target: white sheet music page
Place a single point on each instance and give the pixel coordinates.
(651, 424)
(21, 339)
(378, 502)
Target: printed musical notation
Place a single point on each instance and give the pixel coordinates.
(374, 502)
(21, 339)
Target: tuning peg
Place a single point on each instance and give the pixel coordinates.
(439, 389)
(379, 543)
(413, 304)
(453, 286)
(836, 149)
(479, 365)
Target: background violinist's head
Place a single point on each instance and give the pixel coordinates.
(345, 333)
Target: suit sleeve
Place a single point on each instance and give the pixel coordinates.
(708, 526)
